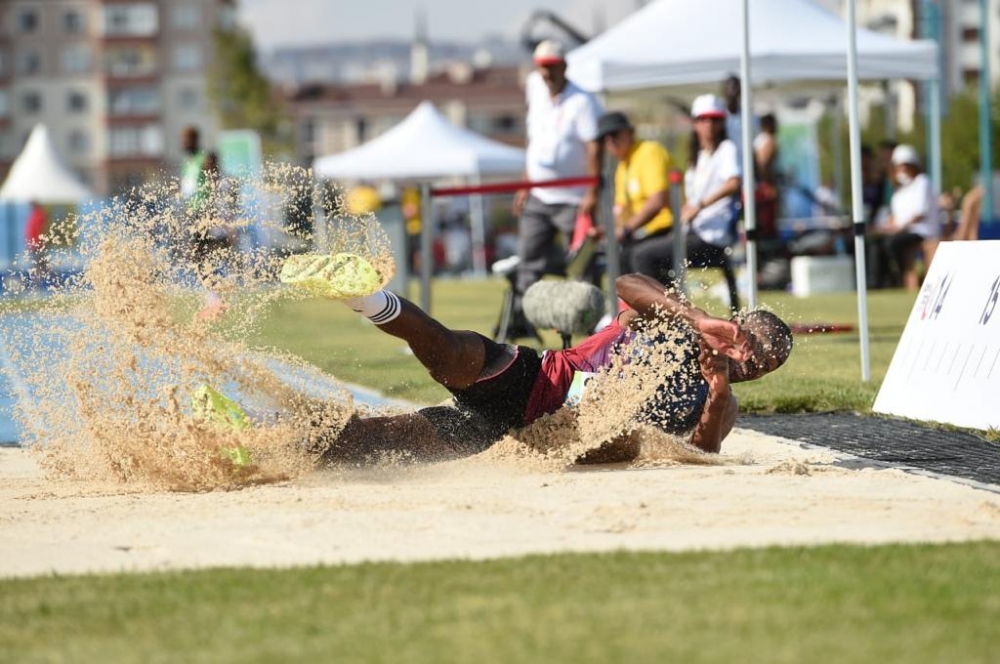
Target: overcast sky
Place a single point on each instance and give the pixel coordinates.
(275, 22)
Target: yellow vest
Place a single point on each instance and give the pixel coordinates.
(644, 172)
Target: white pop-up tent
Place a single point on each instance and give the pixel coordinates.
(426, 146)
(38, 174)
(680, 42)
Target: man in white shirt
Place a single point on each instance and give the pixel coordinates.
(562, 143)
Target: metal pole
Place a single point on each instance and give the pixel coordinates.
(932, 100)
(680, 234)
(857, 199)
(749, 209)
(934, 133)
(426, 246)
(606, 216)
(985, 126)
(477, 226)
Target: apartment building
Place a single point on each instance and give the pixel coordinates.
(333, 118)
(115, 81)
(961, 28)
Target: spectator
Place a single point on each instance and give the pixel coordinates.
(711, 184)
(562, 143)
(34, 241)
(871, 185)
(409, 202)
(765, 149)
(731, 93)
(642, 196)
(363, 200)
(970, 215)
(192, 182)
(914, 216)
(886, 179)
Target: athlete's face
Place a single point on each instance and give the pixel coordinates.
(764, 357)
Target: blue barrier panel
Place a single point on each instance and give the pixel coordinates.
(33, 341)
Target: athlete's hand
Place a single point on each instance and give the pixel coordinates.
(724, 337)
(714, 367)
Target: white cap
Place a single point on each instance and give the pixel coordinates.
(707, 106)
(549, 52)
(905, 154)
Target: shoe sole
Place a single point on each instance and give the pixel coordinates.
(340, 276)
(210, 405)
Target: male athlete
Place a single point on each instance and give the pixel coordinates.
(499, 387)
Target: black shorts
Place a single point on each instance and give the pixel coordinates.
(494, 404)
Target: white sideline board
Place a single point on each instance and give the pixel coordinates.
(946, 367)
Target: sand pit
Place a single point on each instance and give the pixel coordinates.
(767, 491)
(132, 475)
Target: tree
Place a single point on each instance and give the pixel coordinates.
(959, 140)
(240, 93)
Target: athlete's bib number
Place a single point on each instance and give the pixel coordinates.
(581, 380)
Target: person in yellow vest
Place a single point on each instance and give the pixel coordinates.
(643, 220)
(409, 204)
(363, 199)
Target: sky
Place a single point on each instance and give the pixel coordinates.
(280, 22)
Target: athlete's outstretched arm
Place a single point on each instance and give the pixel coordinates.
(651, 300)
(721, 408)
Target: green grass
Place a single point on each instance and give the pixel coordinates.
(823, 373)
(826, 604)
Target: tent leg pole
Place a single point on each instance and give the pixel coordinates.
(746, 114)
(680, 235)
(426, 246)
(985, 107)
(857, 201)
(477, 226)
(606, 216)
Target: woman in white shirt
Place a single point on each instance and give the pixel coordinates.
(711, 184)
(914, 217)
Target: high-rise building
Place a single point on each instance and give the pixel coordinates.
(960, 34)
(115, 81)
(958, 24)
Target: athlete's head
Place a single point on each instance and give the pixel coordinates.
(770, 344)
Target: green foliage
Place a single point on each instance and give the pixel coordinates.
(829, 604)
(959, 139)
(240, 93)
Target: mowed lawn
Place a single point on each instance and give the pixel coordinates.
(823, 604)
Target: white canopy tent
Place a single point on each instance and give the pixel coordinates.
(679, 42)
(426, 146)
(38, 174)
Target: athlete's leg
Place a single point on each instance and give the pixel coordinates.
(454, 358)
(366, 439)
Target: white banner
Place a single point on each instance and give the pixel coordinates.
(946, 367)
